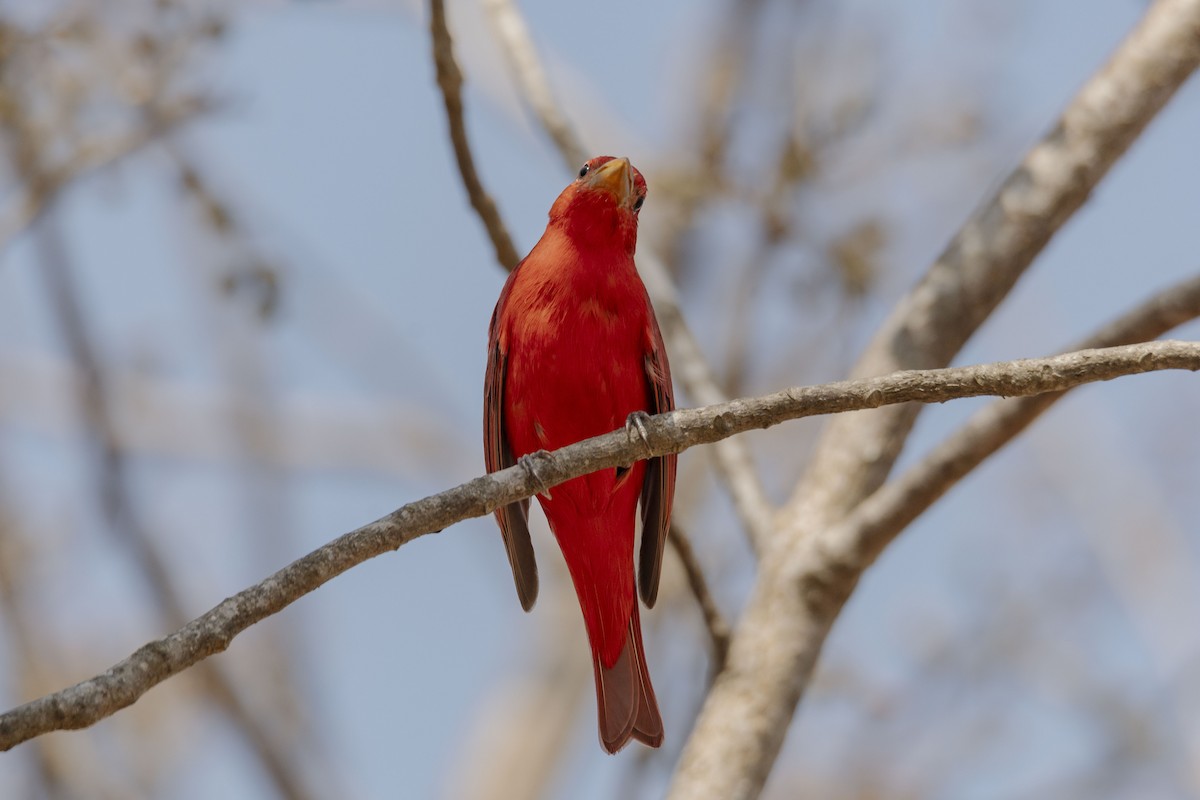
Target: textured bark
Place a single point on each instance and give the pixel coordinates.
(99, 697)
(802, 585)
(87, 702)
(997, 244)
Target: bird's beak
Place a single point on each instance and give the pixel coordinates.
(616, 178)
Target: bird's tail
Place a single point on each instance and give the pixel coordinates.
(628, 708)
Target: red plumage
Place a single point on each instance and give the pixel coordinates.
(573, 350)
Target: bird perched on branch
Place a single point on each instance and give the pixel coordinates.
(574, 351)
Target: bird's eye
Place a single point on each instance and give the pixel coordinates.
(583, 170)
(638, 205)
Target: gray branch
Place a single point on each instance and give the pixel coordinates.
(792, 615)
(744, 720)
(996, 245)
(450, 81)
(522, 57)
(719, 631)
(859, 539)
(85, 703)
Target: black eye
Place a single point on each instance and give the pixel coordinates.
(583, 170)
(638, 205)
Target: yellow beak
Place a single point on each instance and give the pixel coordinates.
(616, 178)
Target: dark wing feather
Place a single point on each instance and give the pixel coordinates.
(513, 518)
(658, 485)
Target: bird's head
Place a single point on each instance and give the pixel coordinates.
(602, 204)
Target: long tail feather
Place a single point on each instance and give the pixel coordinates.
(627, 706)
(648, 725)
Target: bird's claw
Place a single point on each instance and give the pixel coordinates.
(529, 463)
(635, 426)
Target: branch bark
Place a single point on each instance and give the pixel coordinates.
(993, 249)
(450, 81)
(718, 628)
(87, 702)
(745, 718)
(514, 37)
(858, 540)
(788, 619)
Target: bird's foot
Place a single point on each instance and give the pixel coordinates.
(530, 462)
(635, 427)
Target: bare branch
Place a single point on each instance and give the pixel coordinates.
(993, 249)
(518, 46)
(788, 617)
(746, 716)
(719, 631)
(450, 81)
(93, 156)
(872, 525)
(689, 366)
(85, 703)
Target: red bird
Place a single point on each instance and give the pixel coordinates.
(574, 351)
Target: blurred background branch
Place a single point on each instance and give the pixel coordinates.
(800, 593)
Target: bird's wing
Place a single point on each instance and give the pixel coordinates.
(513, 518)
(658, 485)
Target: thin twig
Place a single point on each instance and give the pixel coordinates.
(85, 703)
(522, 56)
(95, 156)
(450, 81)
(734, 462)
(719, 631)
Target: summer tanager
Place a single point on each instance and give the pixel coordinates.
(574, 351)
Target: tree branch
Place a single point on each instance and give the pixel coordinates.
(517, 44)
(450, 81)
(788, 619)
(742, 726)
(871, 526)
(734, 462)
(93, 156)
(993, 249)
(718, 628)
(85, 703)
